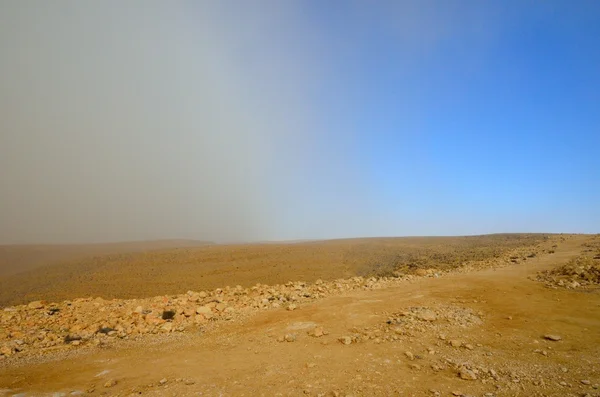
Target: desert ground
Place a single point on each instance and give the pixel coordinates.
(497, 315)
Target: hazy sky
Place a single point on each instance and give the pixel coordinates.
(259, 120)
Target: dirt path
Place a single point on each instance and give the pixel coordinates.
(488, 325)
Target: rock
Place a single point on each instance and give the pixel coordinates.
(36, 305)
(189, 382)
(466, 374)
(409, 355)
(415, 366)
(203, 310)
(163, 381)
(290, 337)
(291, 307)
(552, 337)
(427, 315)
(345, 340)
(317, 332)
(455, 343)
(110, 383)
(585, 382)
(6, 350)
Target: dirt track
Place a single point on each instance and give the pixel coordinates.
(506, 351)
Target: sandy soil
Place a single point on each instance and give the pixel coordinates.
(491, 326)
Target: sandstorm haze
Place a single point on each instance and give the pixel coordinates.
(244, 121)
(148, 120)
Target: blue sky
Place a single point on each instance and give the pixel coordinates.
(494, 125)
(271, 120)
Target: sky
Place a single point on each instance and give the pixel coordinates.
(263, 120)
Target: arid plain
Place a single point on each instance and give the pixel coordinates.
(496, 315)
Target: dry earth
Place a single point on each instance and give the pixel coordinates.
(497, 326)
(155, 268)
(20, 258)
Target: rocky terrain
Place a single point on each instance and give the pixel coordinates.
(154, 269)
(40, 326)
(580, 272)
(486, 328)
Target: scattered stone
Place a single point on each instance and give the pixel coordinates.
(290, 337)
(466, 374)
(345, 340)
(586, 382)
(427, 315)
(203, 310)
(163, 381)
(36, 305)
(110, 383)
(291, 307)
(102, 373)
(317, 332)
(409, 355)
(552, 337)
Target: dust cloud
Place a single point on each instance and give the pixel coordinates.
(149, 120)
